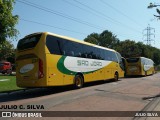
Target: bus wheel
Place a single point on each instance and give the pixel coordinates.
(116, 76)
(78, 81)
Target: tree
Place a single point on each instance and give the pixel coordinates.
(128, 48)
(7, 52)
(151, 5)
(7, 20)
(105, 39)
(93, 38)
(156, 57)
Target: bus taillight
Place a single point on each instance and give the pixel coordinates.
(40, 72)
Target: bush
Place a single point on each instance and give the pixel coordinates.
(157, 68)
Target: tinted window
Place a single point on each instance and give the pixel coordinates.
(67, 47)
(119, 57)
(78, 49)
(28, 42)
(53, 45)
(132, 60)
(61, 46)
(121, 61)
(95, 53)
(102, 54)
(107, 55)
(87, 51)
(113, 56)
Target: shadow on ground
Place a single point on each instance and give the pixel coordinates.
(37, 92)
(151, 97)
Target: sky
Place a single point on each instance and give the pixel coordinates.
(127, 19)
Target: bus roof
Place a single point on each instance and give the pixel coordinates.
(71, 39)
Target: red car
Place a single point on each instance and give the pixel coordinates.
(5, 67)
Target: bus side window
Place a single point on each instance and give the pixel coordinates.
(52, 45)
(98, 56)
(77, 48)
(64, 53)
(79, 54)
(90, 56)
(114, 57)
(107, 55)
(108, 58)
(102, 54)
(86, 55)
(72, 53)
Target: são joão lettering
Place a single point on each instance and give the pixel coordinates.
(88, 63)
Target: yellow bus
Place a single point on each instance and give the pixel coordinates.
(47, 59)
(139, 66)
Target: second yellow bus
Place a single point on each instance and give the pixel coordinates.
(139, 66)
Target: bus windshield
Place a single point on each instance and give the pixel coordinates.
(132, 60)
(28, 42)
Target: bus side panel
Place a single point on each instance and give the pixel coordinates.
(142, 70)
(113, 67)
(68, 79)
(120, 72)
(94, 76)
(110, 70)
(103, 74)
(150, 71)
(116, 68)
(54, 76)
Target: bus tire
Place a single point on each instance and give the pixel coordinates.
(78, 81)
(116, 76)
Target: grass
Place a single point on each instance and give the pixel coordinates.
(8, 83)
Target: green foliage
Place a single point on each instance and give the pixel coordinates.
(7, 20)
(127, 48)
(93, 38)
(8, 83)
(130, 48)
(157, 68)
(105, 39)
(7, 52)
